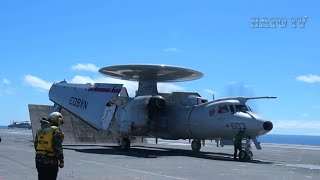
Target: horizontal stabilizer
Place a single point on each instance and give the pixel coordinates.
(245, 99)
(87, 101)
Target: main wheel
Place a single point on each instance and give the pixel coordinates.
(125, 144)
(196, 145)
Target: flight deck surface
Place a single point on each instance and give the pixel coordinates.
(166, 160)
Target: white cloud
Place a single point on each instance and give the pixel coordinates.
(131, 86)
(6, 81)
(169, 87)
(5, 88)
(37, 82)
(82, 80)
(172, 50)
(210, 91)
(310, 78)
(305, 114)
(7, 91)
(85, 67)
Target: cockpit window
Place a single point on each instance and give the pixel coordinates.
(241, 108)
(223, 109)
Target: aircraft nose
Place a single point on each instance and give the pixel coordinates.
(267, 126)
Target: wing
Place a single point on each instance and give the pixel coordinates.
(88, 102)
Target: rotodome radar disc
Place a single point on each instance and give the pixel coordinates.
(158, 73)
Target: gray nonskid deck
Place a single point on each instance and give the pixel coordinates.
(167, 160)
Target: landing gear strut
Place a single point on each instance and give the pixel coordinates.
(196, 145)
(246, 154)
(125, 144)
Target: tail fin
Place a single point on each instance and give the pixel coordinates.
(88, 102)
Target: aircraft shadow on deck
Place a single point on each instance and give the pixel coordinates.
(155, 152)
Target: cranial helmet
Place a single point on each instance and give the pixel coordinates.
(55, 118)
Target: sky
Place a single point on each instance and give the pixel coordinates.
(42, 42)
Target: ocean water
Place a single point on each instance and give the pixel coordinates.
(290, 139)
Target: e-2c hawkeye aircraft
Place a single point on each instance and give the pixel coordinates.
(173, 116)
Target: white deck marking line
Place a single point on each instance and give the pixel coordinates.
(15, 132)
(20, 149)
(135, 170)
(93, 162)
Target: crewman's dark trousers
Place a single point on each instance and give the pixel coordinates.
(236, 148)
(46, 172)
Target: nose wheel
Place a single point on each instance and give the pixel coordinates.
(245, 155)
(196, 145)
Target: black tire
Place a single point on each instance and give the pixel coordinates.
(243, 155)
(125, 144)
(196, 145)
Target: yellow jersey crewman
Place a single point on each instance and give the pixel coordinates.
(48, 146)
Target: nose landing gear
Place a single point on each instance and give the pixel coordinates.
(246, 154)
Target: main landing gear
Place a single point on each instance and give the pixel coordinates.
(196, 145)
(125, 144)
